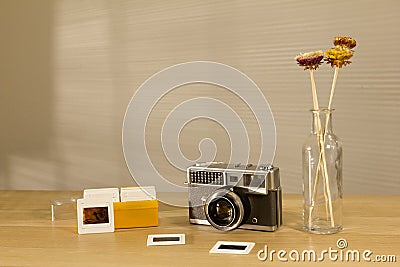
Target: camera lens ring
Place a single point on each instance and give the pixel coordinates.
(225, 196)
(222, 211)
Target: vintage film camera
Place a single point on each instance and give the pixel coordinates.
(229, 196)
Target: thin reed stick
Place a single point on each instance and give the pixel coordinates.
(329, 209)
(335, 75)
(321, 156)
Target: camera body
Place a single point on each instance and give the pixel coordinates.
(230, 196)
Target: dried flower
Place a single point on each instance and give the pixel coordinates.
(344, 42)
(338, 56)
(310, 60)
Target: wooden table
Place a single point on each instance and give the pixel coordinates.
(29, 237)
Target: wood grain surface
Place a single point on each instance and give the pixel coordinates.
(29, 237)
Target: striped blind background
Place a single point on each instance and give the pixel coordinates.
(89, 57)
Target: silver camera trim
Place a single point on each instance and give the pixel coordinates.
(243, 226)
(272, 180)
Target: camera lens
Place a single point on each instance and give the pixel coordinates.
(224, 210)
(221, 211)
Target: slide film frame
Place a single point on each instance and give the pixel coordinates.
(102, 193)
(95, 216)
(229, 247)
(138, 193)
(165, 239)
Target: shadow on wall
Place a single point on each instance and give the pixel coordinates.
(25, 83)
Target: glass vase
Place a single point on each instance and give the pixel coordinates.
(322, 176)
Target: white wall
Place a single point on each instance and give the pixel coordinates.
(69, 69)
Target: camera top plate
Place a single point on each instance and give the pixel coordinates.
(257, 178)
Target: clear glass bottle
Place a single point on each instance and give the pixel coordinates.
(322, 177)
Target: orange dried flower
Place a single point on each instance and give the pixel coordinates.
(344, 42)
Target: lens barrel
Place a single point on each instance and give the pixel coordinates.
(224, 209)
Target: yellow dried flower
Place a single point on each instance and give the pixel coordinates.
(338, 56)
(344, 42)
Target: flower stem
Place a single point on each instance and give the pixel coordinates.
(314, 90)
(323, 168)
(335, 75)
